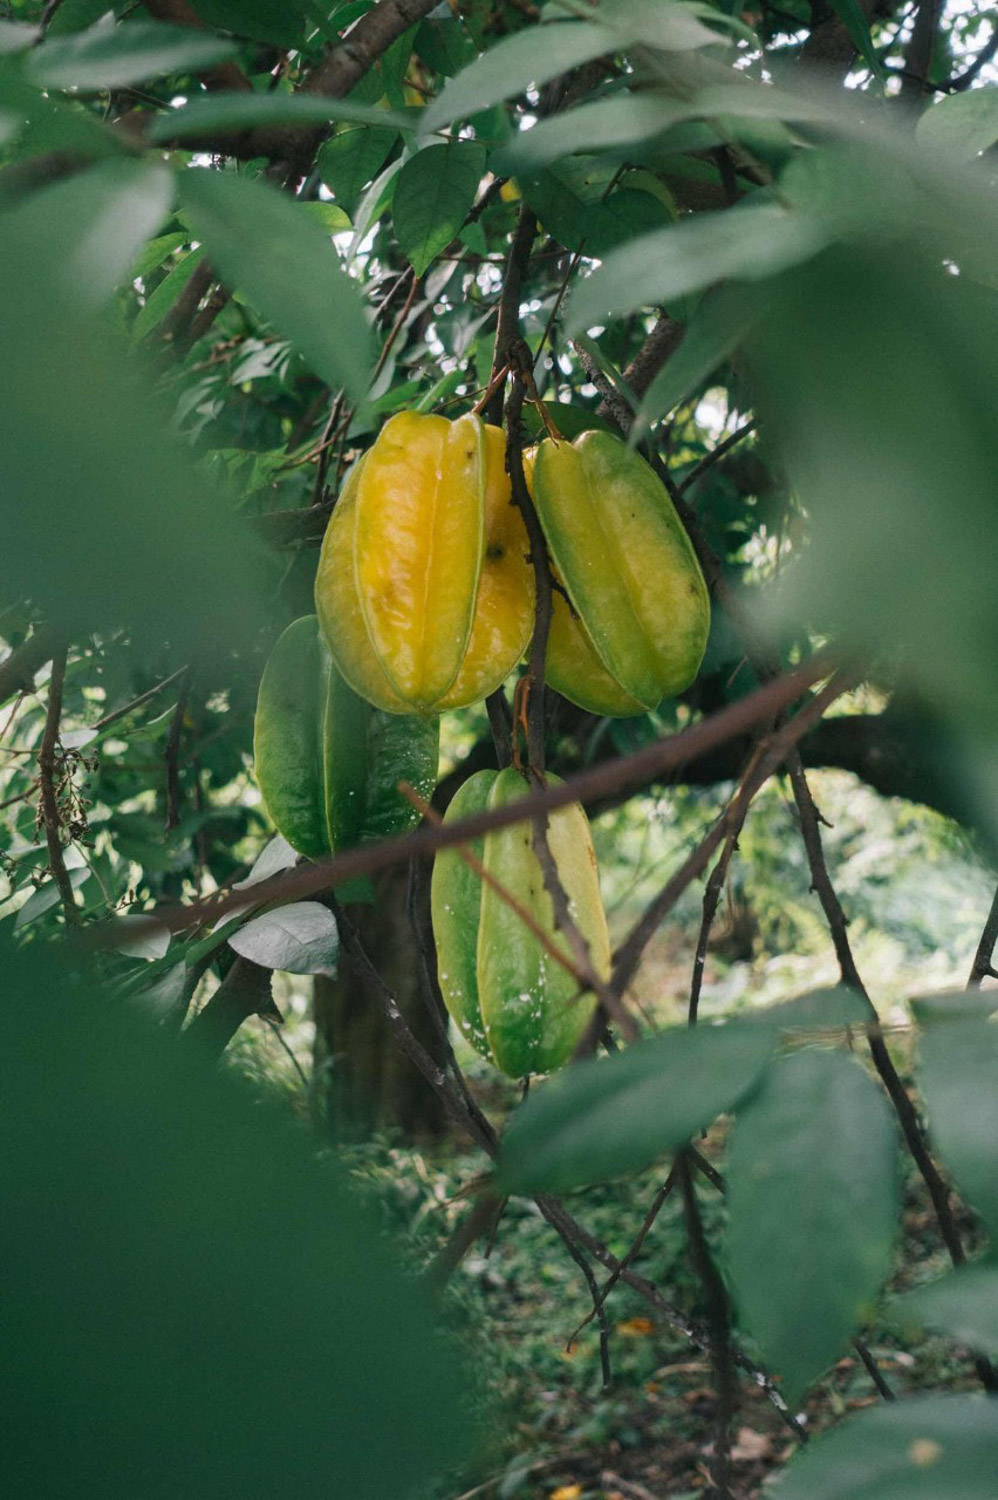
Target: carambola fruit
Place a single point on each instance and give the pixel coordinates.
(328, 764)
(512, 1000)
(641, 608)
(423, 589)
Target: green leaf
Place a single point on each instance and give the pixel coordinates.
(819, 1010)
(161, 549)
(45, 897)
(214, 114)
(106, 57)
(966, 123)
(959, 1079)
(852, 16)
(434, 191)
(109, 211)
(280, 22)
(599, 1119)
(906, 353)
(750, 243)
(17, 36)
(155, 253)
(150, 939)
(444, 45)
(963, 1304)
(539, 53)
(182, 1270)
(621, 217)
(532, 56)
(926, 1448)
(718, 326)
(953, 1005)
(621, 120)
(300, 938)
(265, 246)
(351, 159)
(813, 1198)
(159, 301)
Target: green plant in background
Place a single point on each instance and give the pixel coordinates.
(755, 250)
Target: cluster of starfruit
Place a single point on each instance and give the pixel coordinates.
(425, 601)
(426, 596)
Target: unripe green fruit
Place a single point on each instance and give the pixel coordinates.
(327, 763)
(512, 1000)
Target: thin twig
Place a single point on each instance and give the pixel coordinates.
(171, 753)
(698, 470)
(139, 702)
(719, 1324)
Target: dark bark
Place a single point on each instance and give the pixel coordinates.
(362, 1080)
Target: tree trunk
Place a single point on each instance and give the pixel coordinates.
(362, 1082)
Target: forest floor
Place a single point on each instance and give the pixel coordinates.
(550, 1430)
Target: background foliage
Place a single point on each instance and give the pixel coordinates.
(237, 236)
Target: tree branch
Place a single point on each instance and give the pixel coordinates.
(48, 771)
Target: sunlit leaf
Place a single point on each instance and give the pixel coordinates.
(300, 938)
(265, 246)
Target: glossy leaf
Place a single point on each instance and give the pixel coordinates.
(106, 57)
(813, 1197)
(600, 1119)
(434, 191)
(926, 1448)
(265, 246)
(959, 1079)
(300, 938)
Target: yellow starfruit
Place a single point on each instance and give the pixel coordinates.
(423, 589)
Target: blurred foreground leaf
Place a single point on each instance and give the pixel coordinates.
(193, 1305)
(930, 1448)
(105, 520)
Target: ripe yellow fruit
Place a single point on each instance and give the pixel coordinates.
(423, 589)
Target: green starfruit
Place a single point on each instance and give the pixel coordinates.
(506, 992)
(328, 764)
